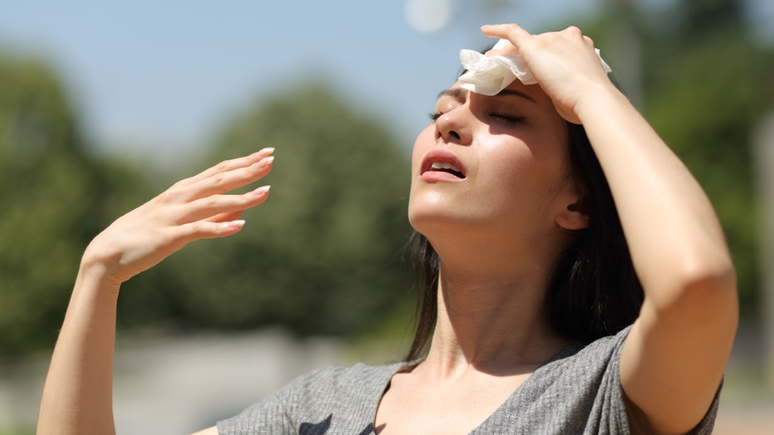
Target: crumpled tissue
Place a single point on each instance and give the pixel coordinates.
(488, 75)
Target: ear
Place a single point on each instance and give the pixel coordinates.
(574, 217)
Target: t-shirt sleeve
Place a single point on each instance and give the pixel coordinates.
(620, 403)
(708, 422)
(269, 416)
(332, 400)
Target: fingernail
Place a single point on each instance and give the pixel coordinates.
(268, 161)
(263, 153)
(261, 190)
(233, 225)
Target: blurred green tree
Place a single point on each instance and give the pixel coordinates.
(56, 199)
(706, 84)
(324, 254)
(709, 18)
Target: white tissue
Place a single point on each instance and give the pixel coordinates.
(488, 75)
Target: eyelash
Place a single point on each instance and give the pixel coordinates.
(512, 120)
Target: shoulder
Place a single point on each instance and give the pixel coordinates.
(604, 348)
(335, 396)
(581, 387)
(334, 380)
(598, 356)
(577, 391)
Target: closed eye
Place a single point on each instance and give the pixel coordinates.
(510, 120)
(434, 115)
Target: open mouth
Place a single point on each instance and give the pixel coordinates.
(448, 168)
(444, 163)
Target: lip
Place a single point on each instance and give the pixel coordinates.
(442, 156)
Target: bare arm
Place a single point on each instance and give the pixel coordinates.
(676, 353)
(77, 397)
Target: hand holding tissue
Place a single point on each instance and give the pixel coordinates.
(488, 75)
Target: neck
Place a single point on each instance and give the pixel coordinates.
(491, 312)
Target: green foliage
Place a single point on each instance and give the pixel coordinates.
(56, 199)
(42, 180)
(25, 431)
(705, 18)
(323, 254)
(707, 111)
(706, 86)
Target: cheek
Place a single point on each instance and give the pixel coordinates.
(424, 142)
(520, 175)
(505, 162)
(420, 149)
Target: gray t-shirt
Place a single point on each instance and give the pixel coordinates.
(577, 392)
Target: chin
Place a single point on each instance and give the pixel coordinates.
(433, 220)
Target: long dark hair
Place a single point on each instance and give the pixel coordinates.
(593, 290)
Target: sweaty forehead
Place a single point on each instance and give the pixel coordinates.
(532, 93)
(454, 91)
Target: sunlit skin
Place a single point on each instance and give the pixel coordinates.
(513, 148)
(497, 232)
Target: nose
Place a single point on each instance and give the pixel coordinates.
(454, 126)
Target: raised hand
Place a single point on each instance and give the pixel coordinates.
(192, 209)
(564, 64)
(77, 398)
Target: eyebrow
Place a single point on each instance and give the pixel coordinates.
(461, 94)
(457, 93)
(514, 92)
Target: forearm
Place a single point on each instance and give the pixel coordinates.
(673, 233)
(77, 398)
(675, 355)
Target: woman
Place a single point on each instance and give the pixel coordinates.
(502, 208)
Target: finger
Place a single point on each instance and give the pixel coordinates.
(511, 32)
(207, 208)
(220, 183)
(193, 231)
(225, 217)
(510, 49)
(228, 165)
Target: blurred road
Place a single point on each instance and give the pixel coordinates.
(183, 384)
(755, 419)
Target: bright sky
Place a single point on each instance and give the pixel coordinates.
(165, 75)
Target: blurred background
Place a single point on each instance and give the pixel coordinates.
(104, 104)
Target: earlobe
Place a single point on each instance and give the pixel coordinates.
(574, 217)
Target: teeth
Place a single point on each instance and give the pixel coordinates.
(444, 165)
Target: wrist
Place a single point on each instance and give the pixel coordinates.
(600, 98)
(94, 270)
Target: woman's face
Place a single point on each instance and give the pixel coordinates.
(491, 164)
